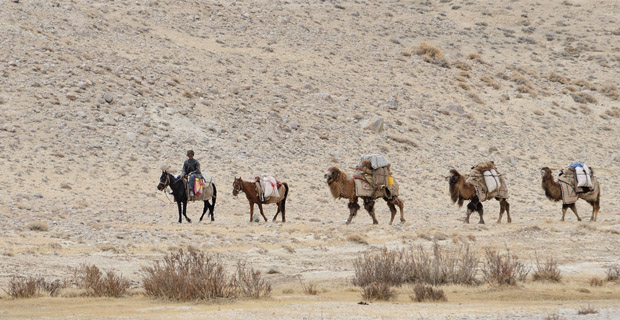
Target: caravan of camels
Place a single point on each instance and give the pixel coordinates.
(373, 180)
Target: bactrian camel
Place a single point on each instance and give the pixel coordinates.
(553, 191)
(343, 187)
(461, 190)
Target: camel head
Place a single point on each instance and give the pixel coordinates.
(334, 174)
(545, 172)
(455, 193)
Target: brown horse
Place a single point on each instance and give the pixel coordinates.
(249, 188)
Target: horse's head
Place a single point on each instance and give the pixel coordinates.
(164, 181)
(237, 186)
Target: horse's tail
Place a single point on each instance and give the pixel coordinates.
(214, 197)
(285, 196)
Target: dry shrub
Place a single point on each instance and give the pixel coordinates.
(309, 288)
(523, 84)
(500, 269)
(386, 266)
(357, 238)
(92, 280)
(188, 275)
(613, 273)
(490, 82)
(547, 271)
(378, 291)
(427, 293)
(582, 97)
(475, 97)
(443, 266)
(610, 90)
(554, 316)
(586, 310)
(555, 77)
(21, 287)
(395, 267)
(462, 65)
(250, 282)
(37, 226)
(431, 54)
(596, 282)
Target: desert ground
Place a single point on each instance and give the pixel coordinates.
(97, 96)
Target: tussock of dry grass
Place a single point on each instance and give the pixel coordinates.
(490, 82)
(37, 226)
(378, 291)
(613, 112)
(427, 293)
(556, 77)
(582, 97)
(309, 288)
(431, 54)
(613, 273)
(587, 310)
(610, 90)
(462, 65)
(596, 282)
(357, 238)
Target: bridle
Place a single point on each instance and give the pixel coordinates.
(237, 186)
(166, 183)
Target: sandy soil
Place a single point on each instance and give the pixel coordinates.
(95, 96)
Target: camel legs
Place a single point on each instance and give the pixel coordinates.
(504, 206)
(392, 205)
(573, 207)
(353, 207)
(369, 205)
(475, 206)
(595, 208)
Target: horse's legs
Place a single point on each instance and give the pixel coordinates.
(180, 211)
(211, 210)
(353, 207)
(251, 212)
(260, 207)
(185, 212)
(274, 217)
(204, 209)
(369, 205)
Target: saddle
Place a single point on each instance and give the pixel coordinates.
(267, 188)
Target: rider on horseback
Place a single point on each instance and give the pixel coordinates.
(191, 168)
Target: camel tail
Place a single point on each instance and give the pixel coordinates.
(285, 196)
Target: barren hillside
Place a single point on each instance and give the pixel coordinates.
(95, 96)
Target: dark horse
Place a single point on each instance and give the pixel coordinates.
(180, 195)
(249, 188)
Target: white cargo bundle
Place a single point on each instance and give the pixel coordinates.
(491, 179)
(376, 160)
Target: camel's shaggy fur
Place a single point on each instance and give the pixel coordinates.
(461, 190)
(341, 186)
(553, 191)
